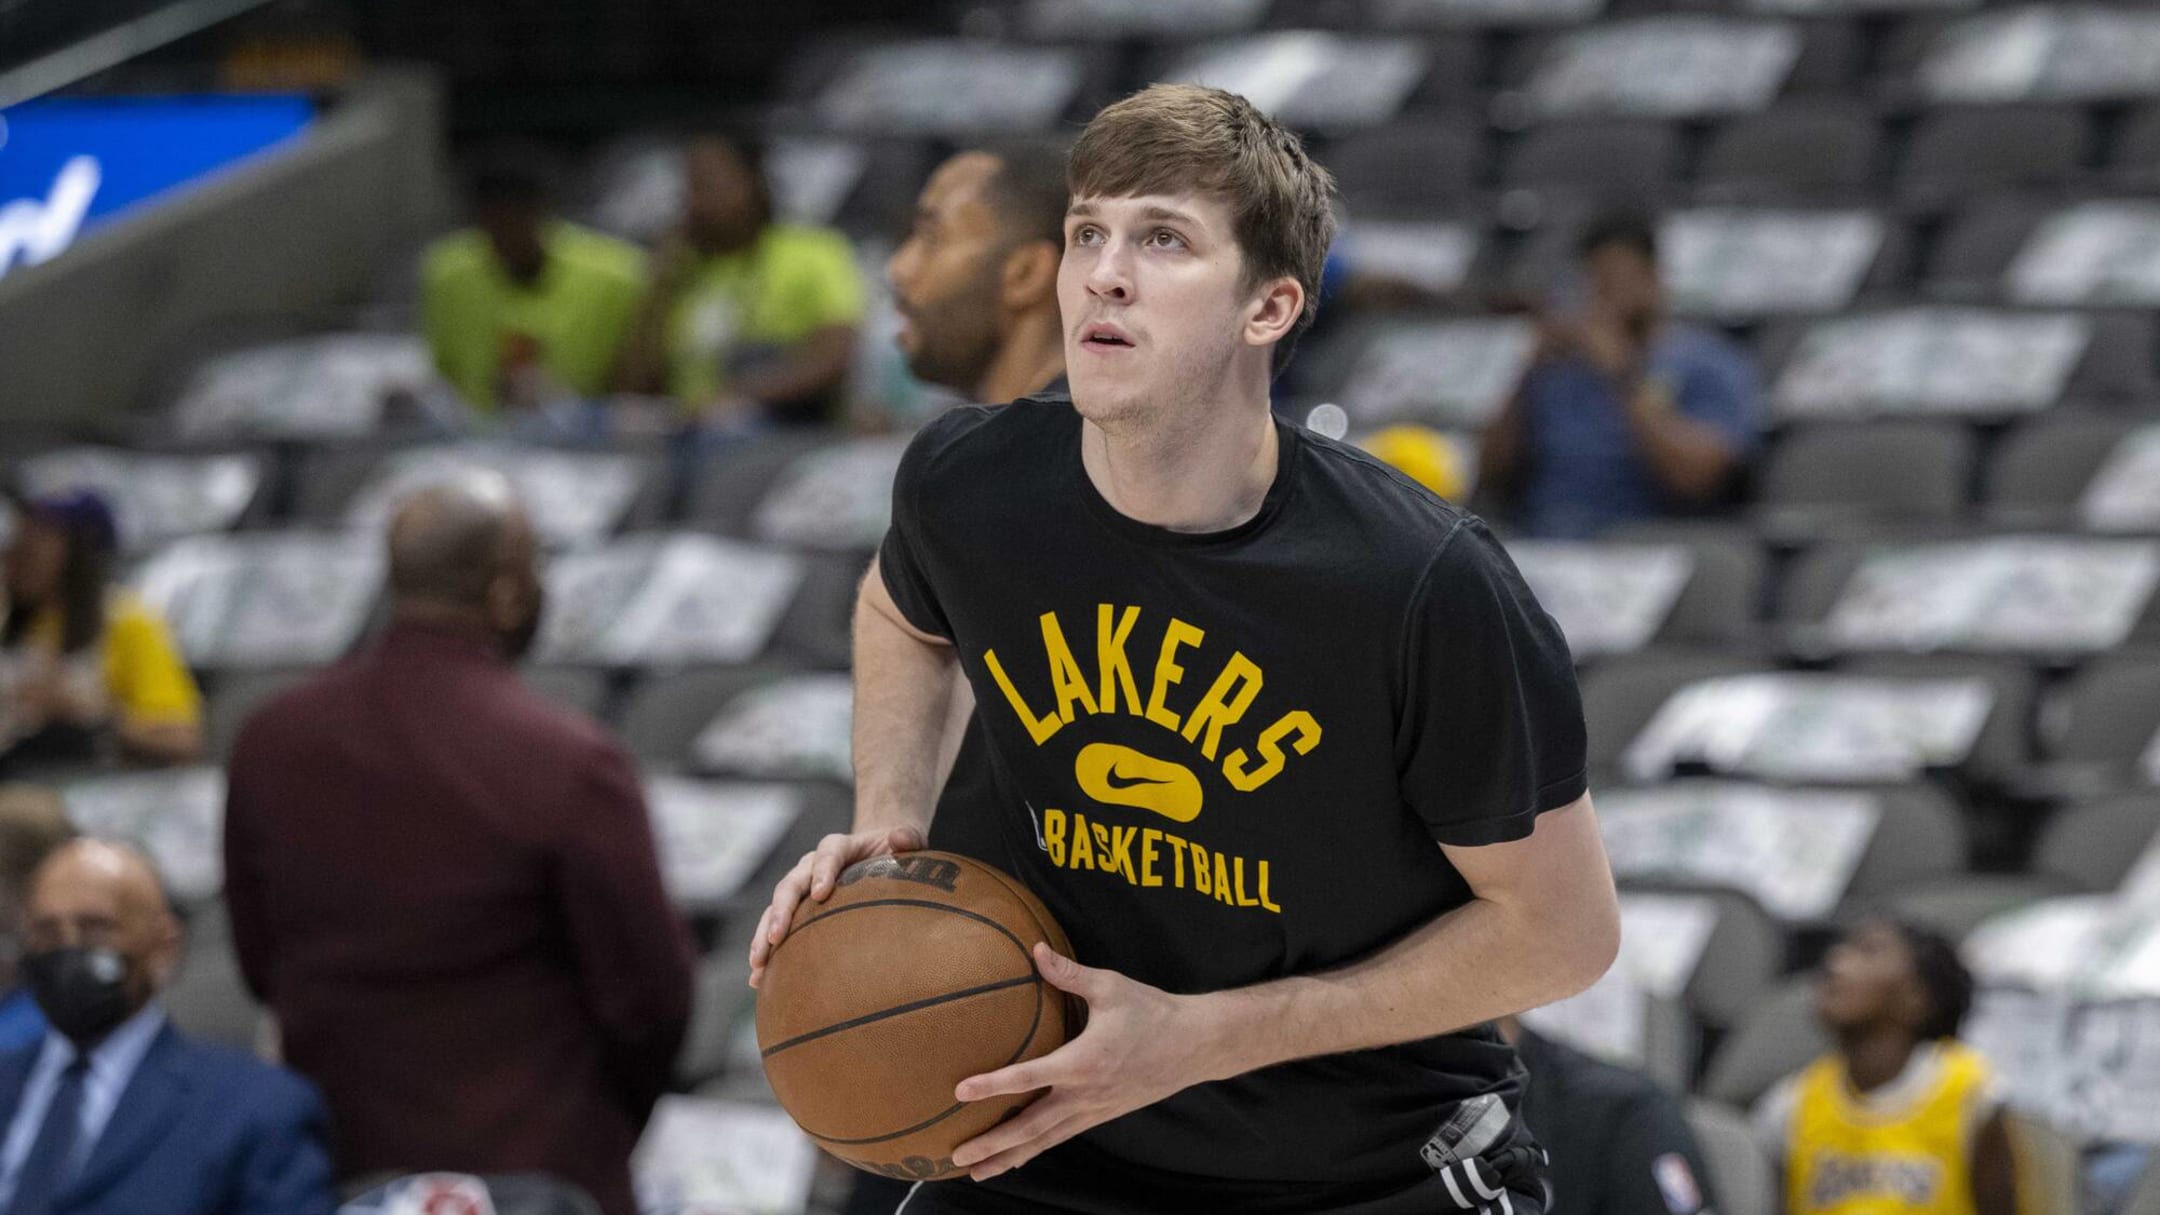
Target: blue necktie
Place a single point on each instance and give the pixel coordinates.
(50, 1166)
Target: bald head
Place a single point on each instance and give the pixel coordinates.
(463, 552)
(93, 893)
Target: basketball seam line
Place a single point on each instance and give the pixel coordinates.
(895, 1011)
(978, 917)
(1034, 1027)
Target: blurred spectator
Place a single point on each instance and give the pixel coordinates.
(1624, 414)
(1619, 1142)
(975, 282)
(33, 822)
(445, 886)
(82, 660)
(1902, 1118)
(749, 320)
(525, 308)
(976, 287)
(113, 1112)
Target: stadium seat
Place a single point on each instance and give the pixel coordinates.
(2041, 469)
(2093, 845)
(724, 491)
(1955, 153)
(2145, 1199)
(234, 697)
(2135, 165)
(1954, 906)
(1621, 694)
(1421, 169)
(2109, 712)
(2117, 370)
(2004, 743)
(665, 714)
(1982, 240)
(1722, 603)
(207, 999)
(720, 992)
(2047, 1163)
(1920, 837)
(1813, 151)
(1631, 162)
(1779, 1037)
(1744, 1180)
(580, 689)
(1744, 955)
(1836, 477)
(819, 626)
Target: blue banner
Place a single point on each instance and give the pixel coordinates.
(70, 164)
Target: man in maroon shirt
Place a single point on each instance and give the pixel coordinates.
(445, 886)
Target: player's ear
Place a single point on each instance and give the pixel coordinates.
(1030, 274)
(1274, 311)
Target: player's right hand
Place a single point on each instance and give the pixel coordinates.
(814, 878)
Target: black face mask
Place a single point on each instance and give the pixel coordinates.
(82, 991)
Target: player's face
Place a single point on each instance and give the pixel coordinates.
(1154, 300)
(1867, 979)
(945, 276)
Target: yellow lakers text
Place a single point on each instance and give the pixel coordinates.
(1144, 856)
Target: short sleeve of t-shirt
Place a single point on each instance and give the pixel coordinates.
(1492, 730)
(1718, 387)
(902, 559)
(150, 685)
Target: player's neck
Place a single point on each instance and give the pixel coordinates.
(1031, 356)
(1209, 476)
(1875, 1056)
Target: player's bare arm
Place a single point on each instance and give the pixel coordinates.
(1543, 925)
(904, 682)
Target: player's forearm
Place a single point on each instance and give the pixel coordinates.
(903, 690)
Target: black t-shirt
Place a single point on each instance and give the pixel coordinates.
(1225, 758)
(1620, 1144)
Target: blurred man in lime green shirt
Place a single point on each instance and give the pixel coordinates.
(748, 320)
(524, 308)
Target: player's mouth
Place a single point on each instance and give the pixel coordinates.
(1105, 338)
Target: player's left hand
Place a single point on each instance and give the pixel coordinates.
(1141, 1045)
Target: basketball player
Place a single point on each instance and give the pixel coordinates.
(1282, 739)
(1902, 1118)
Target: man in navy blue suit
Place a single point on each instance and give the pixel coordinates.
(114, 1113)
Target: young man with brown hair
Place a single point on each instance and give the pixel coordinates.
(1281, 739)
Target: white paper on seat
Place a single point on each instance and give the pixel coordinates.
(1750, 263)
(951, 87)
(1832, 8)
(1495, 13)
(176, 816)
(1310, 77)
(1954, 361)
(1665, 67)
(795, 729)
(1607, 598)
(2092, 253)
(2046, 53)
(2010, 593)
(712, 835)
(1160, 19)
(835, 498)
(812, 178)
(2090, 1068)
(154, 497)
(700, 1156)
(1793, 850)
(1435, 256)
(275, 599)
(575, 498)
(1811, 727)
(2124, 495)
(1442, 373)
(312, 388)
(666, 601)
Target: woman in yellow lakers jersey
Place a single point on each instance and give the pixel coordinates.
(1901, 1118)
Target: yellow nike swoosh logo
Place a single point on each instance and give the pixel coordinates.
(1121, 776)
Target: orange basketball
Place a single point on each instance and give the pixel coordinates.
(914, 975)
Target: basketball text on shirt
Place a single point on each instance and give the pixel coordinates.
(1112, 774)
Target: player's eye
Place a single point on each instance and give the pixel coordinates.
(1164, 238)
(1087, 235)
